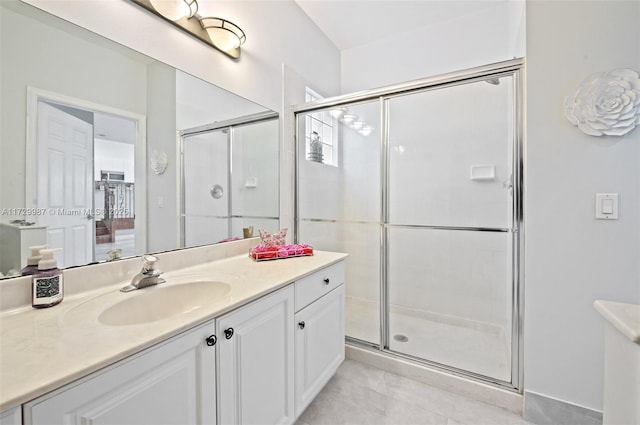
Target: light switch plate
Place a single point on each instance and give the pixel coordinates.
(607, 206)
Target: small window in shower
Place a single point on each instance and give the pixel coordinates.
(321, 135)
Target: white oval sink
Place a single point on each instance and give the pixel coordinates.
(160, 302)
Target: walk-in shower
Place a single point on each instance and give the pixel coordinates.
(423, 188)
(230, 179)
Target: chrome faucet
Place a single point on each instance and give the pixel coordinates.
(148, 276)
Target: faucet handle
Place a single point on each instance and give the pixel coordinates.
(149, 262)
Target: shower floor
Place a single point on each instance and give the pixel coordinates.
(473, 346)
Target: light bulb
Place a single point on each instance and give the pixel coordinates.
(366, 130)
(347, 118)
(337, 113)
(173, 10)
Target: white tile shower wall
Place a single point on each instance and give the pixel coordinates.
(434, 144)
(320, 193)
(362, 242)
(361, 193)
(205, 230)
(360, 163)
(255, 156)
(206, 156)
(459, 274)
(481, 292)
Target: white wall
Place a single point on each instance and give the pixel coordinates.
(29, 48)
(278, 32)
(571, 258)
(491, 35)
(161, 190)
(110, 155)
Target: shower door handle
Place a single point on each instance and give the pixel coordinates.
(216, 191)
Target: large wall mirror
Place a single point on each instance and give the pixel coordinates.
(108, 153)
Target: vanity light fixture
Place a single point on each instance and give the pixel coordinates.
(175, 10)
(219, 33)
(222, 33)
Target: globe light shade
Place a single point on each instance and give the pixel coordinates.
(223, 34)
(175, 10)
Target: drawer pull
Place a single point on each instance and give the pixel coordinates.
(301, 324)
(211, 340)
(326, 281)
(228, 333)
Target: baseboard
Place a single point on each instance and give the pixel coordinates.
(506, 399)
(543, 410)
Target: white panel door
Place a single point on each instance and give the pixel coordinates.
(255, 362)
(319, 345)
(64, 183)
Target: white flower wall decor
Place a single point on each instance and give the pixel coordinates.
(159, 161)
(606, 103)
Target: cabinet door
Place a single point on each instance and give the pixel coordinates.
(11, 417)
(319, 345)
(255, 362)
(172, 383)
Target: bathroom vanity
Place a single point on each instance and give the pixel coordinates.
(256, 350)
(621, 362)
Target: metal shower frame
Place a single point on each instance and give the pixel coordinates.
(514, 68)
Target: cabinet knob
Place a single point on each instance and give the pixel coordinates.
(228, 333)
(211, 340)
(301, 324)
(326, 280)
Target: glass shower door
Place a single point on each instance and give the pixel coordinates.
(339, 203)
(449, 240)
(205, 187)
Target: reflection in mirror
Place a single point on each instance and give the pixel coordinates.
(229, 179)
(81, 170)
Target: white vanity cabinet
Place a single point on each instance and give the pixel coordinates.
(11, 416)
(255, 361)
(170, 383)
(319, 337)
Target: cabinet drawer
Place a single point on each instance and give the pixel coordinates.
(312, 287)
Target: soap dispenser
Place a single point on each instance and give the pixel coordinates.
(32, 261)
(47, 284)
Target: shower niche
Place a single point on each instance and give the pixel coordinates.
(424, 192)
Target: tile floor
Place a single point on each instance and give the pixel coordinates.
(361, 394)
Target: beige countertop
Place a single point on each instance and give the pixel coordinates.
(623, 316)
(44, 349)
